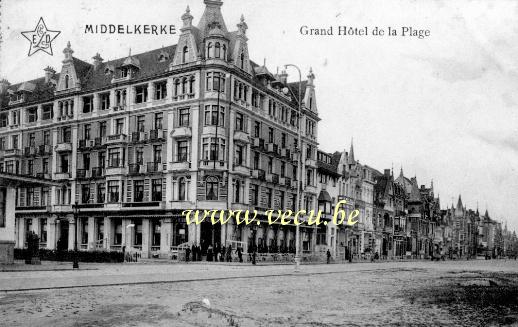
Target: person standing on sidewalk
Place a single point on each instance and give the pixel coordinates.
(239, 254)
(328, 254)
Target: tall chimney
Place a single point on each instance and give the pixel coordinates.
(97, 60)
(49, 73)
(283, 77)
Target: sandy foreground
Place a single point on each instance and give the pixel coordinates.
(463, 293)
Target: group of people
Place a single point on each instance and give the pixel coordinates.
(213, 253)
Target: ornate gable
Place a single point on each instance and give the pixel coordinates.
(186, 49)
(68, 79)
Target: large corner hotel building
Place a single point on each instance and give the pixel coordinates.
(137, 140)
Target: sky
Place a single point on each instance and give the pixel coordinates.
(444, 107)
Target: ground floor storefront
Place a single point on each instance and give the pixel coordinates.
(162, 234)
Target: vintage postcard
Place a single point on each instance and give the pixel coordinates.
(258, 163)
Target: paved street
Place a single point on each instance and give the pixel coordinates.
(464, 293)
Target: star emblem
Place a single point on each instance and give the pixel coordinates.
(40, 38)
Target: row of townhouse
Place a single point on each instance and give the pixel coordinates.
(198, 125)
(399, 219)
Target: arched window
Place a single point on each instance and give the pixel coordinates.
(217, 50)
(182, 188)
(185, 52)
(209, 49)
(242, 60)
(224, 52)
(211, 188)
(237, 191)
(66, 81)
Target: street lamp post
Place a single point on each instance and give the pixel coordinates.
(299, 169)
(75, 264)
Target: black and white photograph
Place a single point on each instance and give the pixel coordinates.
(250, 163)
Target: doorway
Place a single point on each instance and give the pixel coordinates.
(62, 243)
(209, 235)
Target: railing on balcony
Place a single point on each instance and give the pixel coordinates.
(182, 157)
(116, 138)
(29, 151)
(153, 167)
(156, 134)
(260, 174)
(82, 144)
(44, 149)
(99, 141)
(97, 172)
(12, 152)
(43, 175)
(205, 163)
(136, 136)
(134, 169)
(81, 173)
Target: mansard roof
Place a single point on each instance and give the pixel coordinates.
(150, 65)
(39, 91)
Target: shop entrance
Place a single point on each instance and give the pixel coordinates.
(209, 235)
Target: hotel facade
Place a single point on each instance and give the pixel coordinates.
(137, 140)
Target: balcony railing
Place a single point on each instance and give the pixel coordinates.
(99, 141)
(154, 167)
(137, 136)
(97, 172)
(43, 175)
(117, 138)
(12, 153)
(64, 147)
(44, 149)
(259, 174)
(156, 134)
(30, 151)
(134, 169)
(81, 173)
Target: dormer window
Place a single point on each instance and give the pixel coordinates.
(107, 71)
(185, 52)
(224, 47)
(124, 72)
(67, 81)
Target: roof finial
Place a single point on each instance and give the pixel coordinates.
(129, 52)
(242, 18)
(188, 10)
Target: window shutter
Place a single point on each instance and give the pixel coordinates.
(77, 193)
(164, 186)
(147, 192)
(23, 192)
(129, 192)
(92, 193)
(37, 196)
